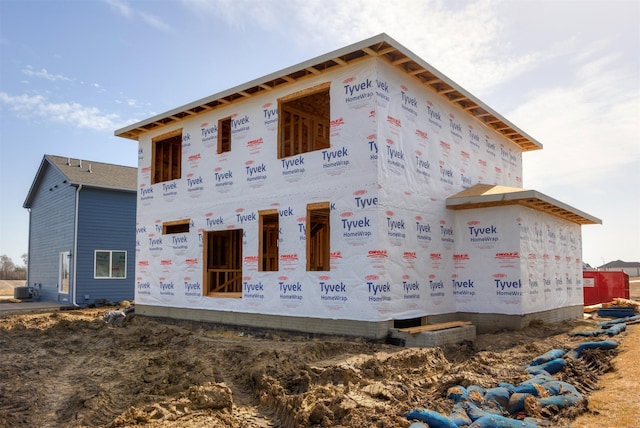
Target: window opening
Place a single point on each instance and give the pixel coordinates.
(268, 240)
(167, 157)
(318, 237)
(178, 226)
(63, 272)
(110, 264)
(304, 121)
(223, 267)
(224, 135)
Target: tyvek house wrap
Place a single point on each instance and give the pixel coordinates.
(398, 150)
(517, 260)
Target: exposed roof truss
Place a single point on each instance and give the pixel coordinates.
(487, 195)
(382, 47)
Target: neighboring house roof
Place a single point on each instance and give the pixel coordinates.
(86, 173)
(488, 195)
(381, 46)
(620, 264)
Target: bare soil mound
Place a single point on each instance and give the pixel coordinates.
(70, 369)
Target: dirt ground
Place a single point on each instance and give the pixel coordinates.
(71, 369)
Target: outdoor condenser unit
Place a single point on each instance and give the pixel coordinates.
(21, 293)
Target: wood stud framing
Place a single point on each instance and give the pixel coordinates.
(222, 273)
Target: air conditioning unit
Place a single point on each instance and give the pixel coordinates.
(21, 293)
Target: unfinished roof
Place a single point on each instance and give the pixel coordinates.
(87, 173)
(381, 46)
(488, 195)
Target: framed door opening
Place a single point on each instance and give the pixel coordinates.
(223, 263)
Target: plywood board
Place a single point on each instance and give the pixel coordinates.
(434, 327)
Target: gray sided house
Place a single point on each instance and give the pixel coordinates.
(82, 219)
(630, 268)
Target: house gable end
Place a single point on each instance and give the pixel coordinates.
(76, 172)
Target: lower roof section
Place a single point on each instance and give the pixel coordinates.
(489, 195)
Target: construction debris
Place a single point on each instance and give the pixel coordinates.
(117, 318)
(618, 301)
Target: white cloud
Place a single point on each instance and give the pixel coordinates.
(588, 126)
(131, 102)
(155, 22)
(122, 7)
(464, 40)
(128, 12)
(43, 73)
(28, 106)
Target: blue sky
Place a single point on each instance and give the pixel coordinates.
(566, 72)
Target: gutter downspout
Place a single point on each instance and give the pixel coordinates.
(29, 251)
(74, 257)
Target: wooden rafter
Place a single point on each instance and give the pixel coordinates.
(379, 47)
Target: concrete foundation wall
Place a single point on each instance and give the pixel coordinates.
(433, 339)
(484, 323)
(373, 330)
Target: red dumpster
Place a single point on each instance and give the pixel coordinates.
(602, 286)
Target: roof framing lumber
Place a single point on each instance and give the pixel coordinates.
(381, 46)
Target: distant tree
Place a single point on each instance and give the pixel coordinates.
(25, 260)
(8, 270)
(6, 267)
(20, 273)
